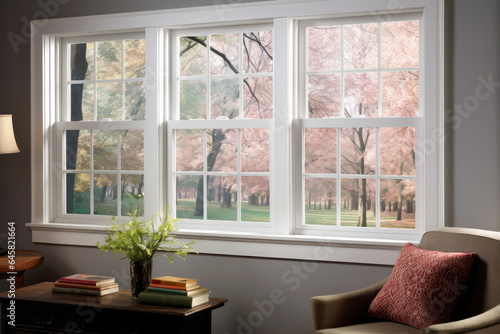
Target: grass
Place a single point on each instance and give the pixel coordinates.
(251, 213)
(185, 210)
(350, 218)
(81, 204)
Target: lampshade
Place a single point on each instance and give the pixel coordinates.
(7, 140)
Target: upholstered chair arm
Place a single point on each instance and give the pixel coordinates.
(484, 323)
(342, 309)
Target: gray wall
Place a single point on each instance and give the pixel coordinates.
(472, 174)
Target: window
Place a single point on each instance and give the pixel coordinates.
(100, 133)
(361, 119)
(222, 107)
(269, 130)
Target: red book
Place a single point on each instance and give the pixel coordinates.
(87, 279)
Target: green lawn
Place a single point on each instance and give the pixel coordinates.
(185, 210)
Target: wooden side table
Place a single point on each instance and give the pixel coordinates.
(25, 259)
(39, 310)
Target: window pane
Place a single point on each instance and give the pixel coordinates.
(105, 150)
(105, 195)
(132, 185)
(358, 150)
(78, 193)
(358, 203)
(135, 58)
(361, 46)
(397, 203)
(222, 198)
(82, 61)
(400, 44)
(78, 150)
(135, 100)
(132, 150)
(225, 53)
(187, 204)
(224, 98)
(320, 150)
(189, 150)
(320, 201)
(258, 52)
(109, 60)
(193, 99)
(258, 97)
(397, 151)
(400, 94)
(109, 100)
(255, 199)
(222, 150)
(323, 48)
(255, 150)
(323, 96)
(192, 55)
(361, 94)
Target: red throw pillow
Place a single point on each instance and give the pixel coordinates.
(423, 288)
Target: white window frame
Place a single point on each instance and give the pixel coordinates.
(281, 243)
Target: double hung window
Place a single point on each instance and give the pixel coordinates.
(360, 119)
(220, 129)
(101, 132)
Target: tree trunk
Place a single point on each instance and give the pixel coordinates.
(198, 208)
(78, 71)
(400, 202)
(219, 194)
(227, 196)
(218, 137)
(103, 194)
(362, 190)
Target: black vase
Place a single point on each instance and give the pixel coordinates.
(140, 276)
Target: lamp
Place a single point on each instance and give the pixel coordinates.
(7, 144)
(7, 140)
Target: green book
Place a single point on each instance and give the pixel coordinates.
(191, 293)
(90, 292)
(167, 299)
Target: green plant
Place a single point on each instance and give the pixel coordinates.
(141, 238)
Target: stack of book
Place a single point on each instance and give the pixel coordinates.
(84, 284)
(174, 291)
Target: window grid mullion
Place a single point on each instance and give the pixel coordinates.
(379, 74)
(91, 172)
(208, 79)
(95, 85)
(377, 181)
(205, 177)
(339, 188)
(342, 112)
(238, 168)
(119, 174)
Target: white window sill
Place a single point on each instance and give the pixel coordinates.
(293, 247)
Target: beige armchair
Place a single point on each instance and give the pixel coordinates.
(478, 309)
